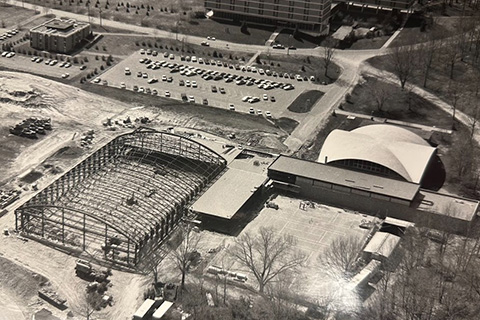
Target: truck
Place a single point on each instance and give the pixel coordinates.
(162, 310)
(146, 310)
(83, 267)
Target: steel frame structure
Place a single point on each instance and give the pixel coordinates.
(130, 192)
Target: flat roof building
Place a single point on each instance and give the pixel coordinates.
(311, 16)
(59, 35)
(373, 194)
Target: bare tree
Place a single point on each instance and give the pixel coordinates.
(184, 254)
(451, 54)
(282, 298)
(454, 94)
(90, 302)
(329, 52)
(151, 261)
(341, 254)
(379, 91)
(427, 53)
(404, 62)
(267, 255)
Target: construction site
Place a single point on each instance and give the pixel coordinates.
(129, 193)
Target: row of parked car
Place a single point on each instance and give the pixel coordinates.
(10, 33)
(8, 54)
(188, 70)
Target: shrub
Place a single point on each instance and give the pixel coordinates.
(102, 67)
(96, 57)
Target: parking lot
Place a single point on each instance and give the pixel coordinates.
(233, 92)
(25, 63)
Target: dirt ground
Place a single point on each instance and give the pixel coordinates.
(73, 112)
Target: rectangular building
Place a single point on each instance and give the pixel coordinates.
(58, 35)
(373, 194)
(310, 16)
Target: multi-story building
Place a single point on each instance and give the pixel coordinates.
(58, 35)
(307, 15)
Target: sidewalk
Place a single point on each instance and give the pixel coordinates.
(385, 120)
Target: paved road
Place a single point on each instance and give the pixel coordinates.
(351, 62)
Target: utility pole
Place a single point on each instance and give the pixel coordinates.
(88, 12)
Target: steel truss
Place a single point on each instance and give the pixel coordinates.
(128, 193)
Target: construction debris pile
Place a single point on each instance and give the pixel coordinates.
(52, 297)
(87, 138)
(30, 127)
(8, 197)
(126, 123)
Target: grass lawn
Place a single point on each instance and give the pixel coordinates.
(293, 64)
(304, 102)
(10, 16)
(286, 38)
(374, 43)
(38, 21)
(286, 124)
(227, 31)
(465, 77)
(397, 107)
(126, 45)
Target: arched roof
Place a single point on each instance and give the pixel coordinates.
(395, 148)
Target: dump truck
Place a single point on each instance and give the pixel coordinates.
(83, 267)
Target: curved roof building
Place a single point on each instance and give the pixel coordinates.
(383, 149)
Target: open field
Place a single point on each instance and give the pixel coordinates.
(11, 16)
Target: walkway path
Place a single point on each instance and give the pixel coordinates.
(386, 120)
(459, 115)
(273, 37)
(253, 58)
